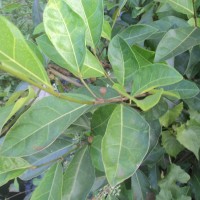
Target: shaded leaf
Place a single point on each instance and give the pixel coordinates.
(66, 31)
(79, 176)
(123, 60)
(42, 123)
(152, 76)
(125, 144)
(50, 188)
(195, 181)
(11, 168)
(17, 58)
(177, 41)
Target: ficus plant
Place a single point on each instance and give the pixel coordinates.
(111, 104)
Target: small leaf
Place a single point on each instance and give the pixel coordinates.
(106, 31)
(171, 144)
(171, 115)
(177, 41)
(140, 185)
(93, 14)
(125, 144)
(66, 31)
(137, 33)
(185, 89)
(50, 187)
(79, 176)
(123, 60)
(17, 58)
(11, 168)
(152, 76)
(42, 123)
(91, 67)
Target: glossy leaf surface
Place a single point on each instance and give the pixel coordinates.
(42, 123)
(79, 176)
(16, 56)
(11, 168)
(125, 144)
(177, 41)
(66, 30)
(50, 188)
(152, 76)
(123, 60)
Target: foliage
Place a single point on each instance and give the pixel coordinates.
(108, 106)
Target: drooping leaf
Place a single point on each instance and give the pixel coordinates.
(171, 144)
(91, 67)
(66, 31)
(123, 60)
(17, 58)
(100, 119)
(95, 152)
(44, 159)
(92, 14)
(169, 183)
(50, 188)
(125, 144)
(42, 123)
(11, 168)
(171, 115)
(79, 176)
(140, 185)
(185, 89)
(137, 33)
(152, 76)
(177, 41)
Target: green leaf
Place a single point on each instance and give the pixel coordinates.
(11, 168)
(149, 101)
(171, 115)
(171, 144)
(93, 15)
(95, 152)
(42, 123)
(107, 30)
(79, 176)
(189, 137)
(50, 188)
(195, 181)
(152, 76)
(137, 33)
(66, 30)
(140, 185)
(100, 119)
(169, 183)
(185, 89)
(17, 58)
(91, 67)
(177, 41)
(123, 60)
(125, 144)
(182, 6)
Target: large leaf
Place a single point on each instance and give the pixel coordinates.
(184, 89)
(137, 33)
(79, 176)
(152, 76)
(11, 168)
(92, 14)
(125, 144)
(50, 188)
(66, 30)
(17, 58)
(140, 185)
(40, 126)
(123, 60)
(177, 41)
(182, 6)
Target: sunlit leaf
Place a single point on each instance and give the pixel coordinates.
(125, 144)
